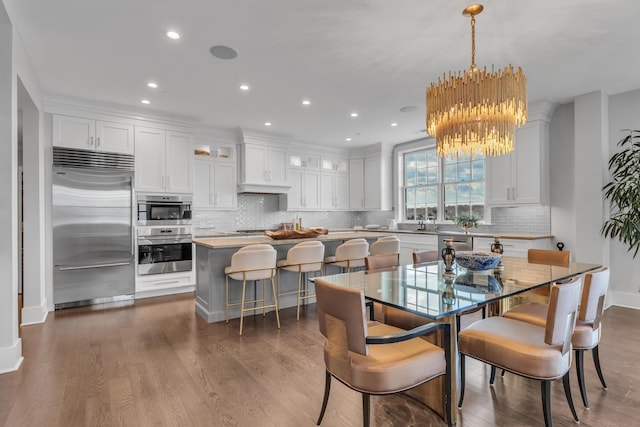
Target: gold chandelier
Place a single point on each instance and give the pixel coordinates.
(476, 112)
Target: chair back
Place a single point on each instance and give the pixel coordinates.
(309, 255)
(353, 249)
(594, 292)
(561, 317)
(386, 245)
(425, 256)
(381, 262)
(342, 318)
(247, 263)
(546, 256)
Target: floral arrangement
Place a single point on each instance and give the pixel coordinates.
(466, 222)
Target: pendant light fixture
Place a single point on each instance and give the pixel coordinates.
(475, 112)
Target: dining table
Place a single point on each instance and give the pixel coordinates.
(436, 293)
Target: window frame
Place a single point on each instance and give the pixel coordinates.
(399, 153)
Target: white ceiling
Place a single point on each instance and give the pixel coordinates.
(369, 56)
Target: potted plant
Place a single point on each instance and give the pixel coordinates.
(466, 222)
(623, 191)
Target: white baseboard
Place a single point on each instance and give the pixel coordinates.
(11, 357)
(625, 299)
(34, 315)
(166, 291)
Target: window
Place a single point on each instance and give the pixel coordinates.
(442, 189)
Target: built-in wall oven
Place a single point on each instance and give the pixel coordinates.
(164, 250)
(164, 210)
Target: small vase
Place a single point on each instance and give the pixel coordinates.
(448, 256)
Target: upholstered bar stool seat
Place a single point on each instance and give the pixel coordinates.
(303, 258)
(350, 254)
(386, 245)
(252, 263)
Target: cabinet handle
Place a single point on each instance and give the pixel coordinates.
(215, 199)
(91, 141)
(508, 193)
(513, 192)
(98, 142)
(168, 182)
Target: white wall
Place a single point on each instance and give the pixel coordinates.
(583, 135)
(624, 113)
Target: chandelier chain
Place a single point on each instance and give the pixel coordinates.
(473, 42)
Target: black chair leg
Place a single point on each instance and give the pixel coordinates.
(493, 375)
(484, 311)
(366, 401)
(567, 392)
(457, 324)
(461, 381)
(327, 388)
(580, 374)
(545, 387)
(502, 373)
(596, 361)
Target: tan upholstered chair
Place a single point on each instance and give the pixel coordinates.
(381, 262)
(541, 353)
(371, 357)
(303, 258)
(386, 245)
(253, 262)
(350, 254)
(587, 332)
(425, 256)
(545, 256)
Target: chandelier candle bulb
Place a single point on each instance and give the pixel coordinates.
(475, 112)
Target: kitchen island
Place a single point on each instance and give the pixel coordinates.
(214, 254)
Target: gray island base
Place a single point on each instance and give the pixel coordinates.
(214, 254)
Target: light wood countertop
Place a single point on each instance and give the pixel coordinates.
(237, 241)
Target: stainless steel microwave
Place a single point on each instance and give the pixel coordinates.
(164, 210)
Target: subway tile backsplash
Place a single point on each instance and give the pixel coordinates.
(261, 211)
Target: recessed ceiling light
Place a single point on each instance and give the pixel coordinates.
(347, 139)
(223, 52)
(267, 123)
(152, 85)
(354, 114)
(146, 101)
(306, 102)
(173, 35)
(244, 87)
(394, 124)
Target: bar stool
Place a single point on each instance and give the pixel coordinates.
(386, 245)
(303, 258)
(253, 262)
(350, 254)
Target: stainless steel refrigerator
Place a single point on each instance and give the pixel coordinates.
(93, 258)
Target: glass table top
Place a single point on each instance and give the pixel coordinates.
(426, 290)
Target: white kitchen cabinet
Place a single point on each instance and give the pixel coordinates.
(304, 193)
(521, 177)
(334, 191)
(377, 182)
(304, 161)
(512, 247)
(410, 243)
(164, 161)
(263, 168)
(89, 134)
(335, 165)
(356, 184)
(214, 184)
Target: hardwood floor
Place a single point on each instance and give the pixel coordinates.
(158, 364)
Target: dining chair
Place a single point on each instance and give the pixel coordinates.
(586, 335)
(385, 245)
(252, 263)
(350, 254)
(381, 262)
(425, 256)
(303, 258)
(374, 358)
(531, 351)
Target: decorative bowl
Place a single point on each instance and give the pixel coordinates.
(477, 283)
(477, 261)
